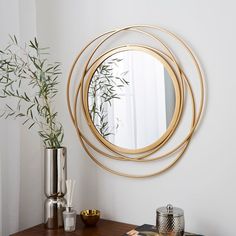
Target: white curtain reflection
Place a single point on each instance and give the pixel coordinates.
(141, 112)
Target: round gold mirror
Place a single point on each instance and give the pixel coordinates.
(135, 97)
(132, 99)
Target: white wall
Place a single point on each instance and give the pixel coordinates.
(9, 157)
(21, 192)
(31, 184)
(202, 182)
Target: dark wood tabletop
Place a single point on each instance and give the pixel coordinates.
(103, 228)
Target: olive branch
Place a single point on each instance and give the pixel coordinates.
(27, 77)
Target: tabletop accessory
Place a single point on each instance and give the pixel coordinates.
(55, 174)
(90, 217)
(69, 215)
(170, 221)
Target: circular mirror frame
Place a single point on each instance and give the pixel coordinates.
(184, 86)
(171, 126)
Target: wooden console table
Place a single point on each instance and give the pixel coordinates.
(103, 228)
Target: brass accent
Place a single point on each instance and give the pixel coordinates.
(182, 86)
(90, 217)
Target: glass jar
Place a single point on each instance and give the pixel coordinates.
(69, 217)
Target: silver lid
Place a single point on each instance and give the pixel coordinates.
(170, 210)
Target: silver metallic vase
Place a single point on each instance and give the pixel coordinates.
(55, 174)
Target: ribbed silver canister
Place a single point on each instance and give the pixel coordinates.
(170, 221)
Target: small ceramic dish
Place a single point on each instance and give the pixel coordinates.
(90, 217)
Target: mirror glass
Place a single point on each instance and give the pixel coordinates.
(131, 99)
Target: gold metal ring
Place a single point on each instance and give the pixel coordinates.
(182, 78)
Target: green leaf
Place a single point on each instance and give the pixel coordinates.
(6, 92)
(10, 114)
(31, 114)
(9, 107)
(29, 108)
(20, 115)
(26, 97)
(62, 137)
(31, 125)
(2, 114)
(9, 84)
(15, 39)
(32, 45)
(25, 121)
(36, 42)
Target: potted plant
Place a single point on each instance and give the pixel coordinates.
(28, 84)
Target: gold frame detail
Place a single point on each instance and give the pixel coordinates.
(182, 86)
(174, 120)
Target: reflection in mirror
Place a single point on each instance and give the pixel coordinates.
(131, 99)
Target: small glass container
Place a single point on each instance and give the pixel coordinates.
(69, 217)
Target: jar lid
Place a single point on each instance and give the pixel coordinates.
(170, 210)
